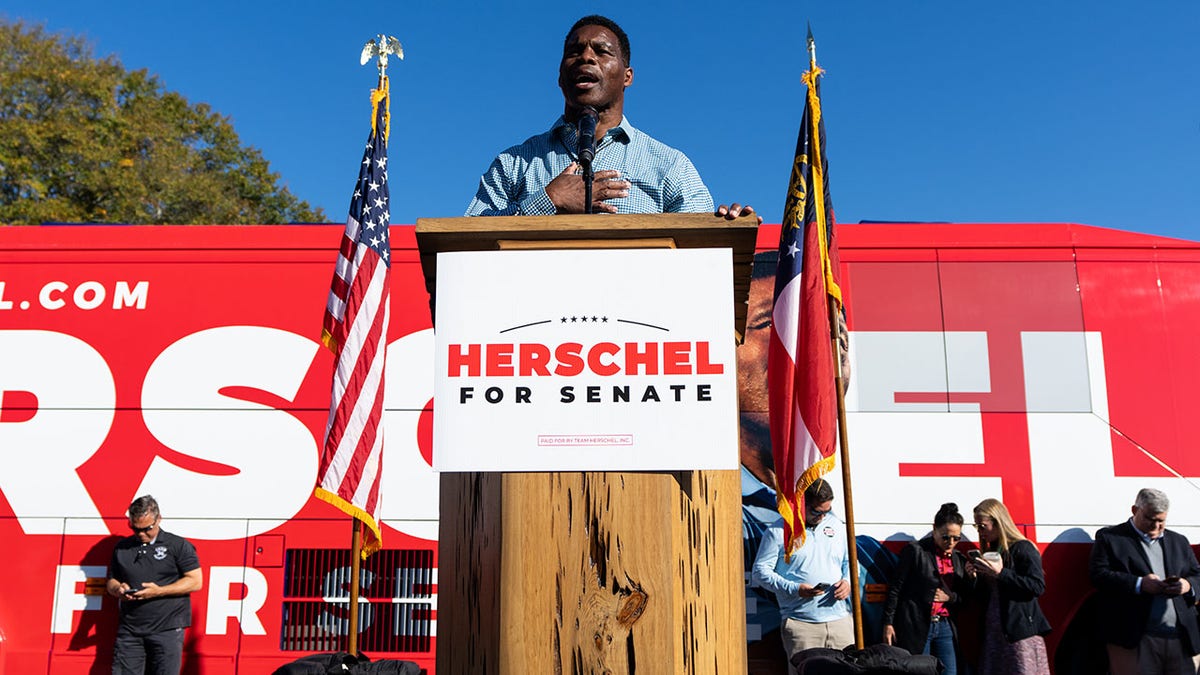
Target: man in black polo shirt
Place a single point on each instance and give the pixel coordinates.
(152, 573)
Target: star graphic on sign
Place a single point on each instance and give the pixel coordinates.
(604, 319)
(564, 319)
(574, 319)
(595, 320)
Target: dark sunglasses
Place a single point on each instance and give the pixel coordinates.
(143, 530)
(949, 537)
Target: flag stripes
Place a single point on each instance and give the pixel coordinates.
(357, 313)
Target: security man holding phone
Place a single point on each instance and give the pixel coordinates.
(1146, 577)
(152, 573)
(813, 587)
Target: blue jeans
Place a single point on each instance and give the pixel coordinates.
(940, 643)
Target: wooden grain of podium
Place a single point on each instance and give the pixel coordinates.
(591, 572)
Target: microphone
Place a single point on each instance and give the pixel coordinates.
(587, 135)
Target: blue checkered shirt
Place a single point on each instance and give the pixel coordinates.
(662, 178)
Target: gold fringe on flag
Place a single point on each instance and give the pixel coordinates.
(791, 513)
(817, 167)
(382, 95)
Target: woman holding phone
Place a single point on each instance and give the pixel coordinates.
(1010, 579)
(929, 583)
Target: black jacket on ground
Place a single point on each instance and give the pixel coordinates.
(341, 663)
(874, 660)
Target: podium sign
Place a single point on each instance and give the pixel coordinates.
(585, 360)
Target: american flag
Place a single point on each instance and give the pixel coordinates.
(355, 329)
(800, 360)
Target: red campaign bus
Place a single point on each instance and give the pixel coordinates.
(1048, 365)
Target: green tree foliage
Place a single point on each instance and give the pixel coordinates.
(85, 140)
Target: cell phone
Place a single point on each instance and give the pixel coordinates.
(974, 554)
(1172, 580)
(821, 587)
(131, 590)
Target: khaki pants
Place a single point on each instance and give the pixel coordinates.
(798, 635)
(1154, 655)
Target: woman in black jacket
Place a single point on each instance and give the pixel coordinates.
(1010, 579)
(925, 591)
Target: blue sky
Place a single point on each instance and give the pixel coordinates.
(1050, 111)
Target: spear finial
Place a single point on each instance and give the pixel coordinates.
(812, 47)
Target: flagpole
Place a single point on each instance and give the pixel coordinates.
(330, 485)
(355, 572)
(847, 491)
(840, 386)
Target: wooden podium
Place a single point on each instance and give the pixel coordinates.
(591, 572)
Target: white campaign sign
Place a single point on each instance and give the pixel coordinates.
(585, 360)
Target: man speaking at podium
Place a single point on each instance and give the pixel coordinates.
(633, 172)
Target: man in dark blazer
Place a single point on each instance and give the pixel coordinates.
(1146, 576)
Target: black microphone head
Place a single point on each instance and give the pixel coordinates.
(587, 134)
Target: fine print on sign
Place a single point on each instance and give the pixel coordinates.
(585, 360)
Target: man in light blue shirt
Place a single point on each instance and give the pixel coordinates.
(812, 588)
(633, 172)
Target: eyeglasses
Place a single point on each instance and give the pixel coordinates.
(143, 530)
(949, 537)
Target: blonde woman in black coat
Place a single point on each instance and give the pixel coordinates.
(925, 592)
(1009, 582)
